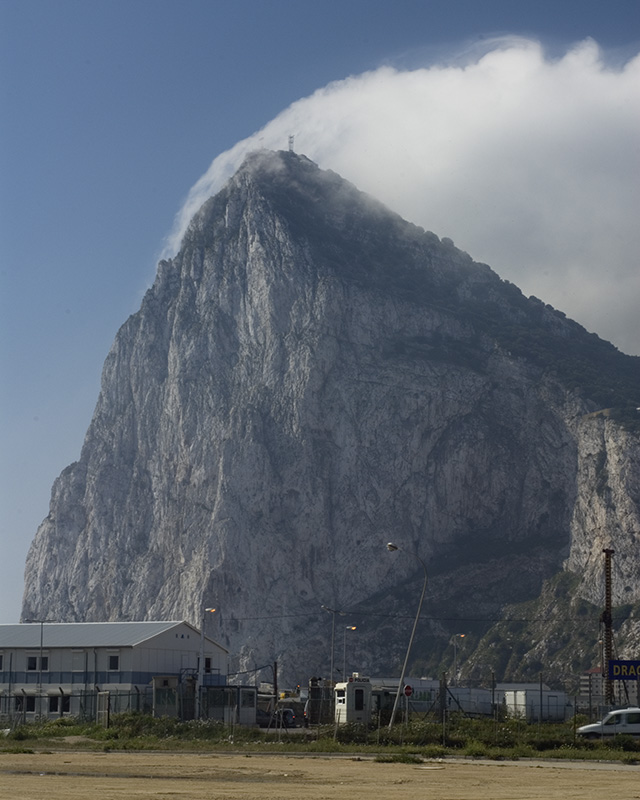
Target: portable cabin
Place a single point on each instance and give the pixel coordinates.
(353, 700)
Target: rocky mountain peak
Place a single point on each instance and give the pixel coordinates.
(310, 377)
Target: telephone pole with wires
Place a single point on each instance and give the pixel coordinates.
(606, 620)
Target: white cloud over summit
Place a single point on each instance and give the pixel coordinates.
(530, 164)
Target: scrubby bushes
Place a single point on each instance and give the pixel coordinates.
(421, 738)
(133, 730)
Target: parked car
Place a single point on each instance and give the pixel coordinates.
(623, 720)
(280, 718)
(264, 718)
(286, 717)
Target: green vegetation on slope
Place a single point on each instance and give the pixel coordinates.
(555, 634)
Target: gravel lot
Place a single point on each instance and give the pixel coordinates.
(138, 776)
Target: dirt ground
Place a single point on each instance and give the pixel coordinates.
(138, 776)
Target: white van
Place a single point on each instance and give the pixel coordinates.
(624, 720)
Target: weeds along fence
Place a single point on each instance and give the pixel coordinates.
(230, 704)
(19, 708)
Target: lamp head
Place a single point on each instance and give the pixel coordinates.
(392, 547)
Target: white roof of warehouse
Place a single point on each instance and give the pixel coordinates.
(84, 634)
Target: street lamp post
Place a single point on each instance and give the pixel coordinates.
(333, 612)
(344, 651)
(455, 638)
(392, 548)
(201, 663)
(42, 623)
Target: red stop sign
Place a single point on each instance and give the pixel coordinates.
(408, 690)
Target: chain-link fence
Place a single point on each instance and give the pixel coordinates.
(18, 708)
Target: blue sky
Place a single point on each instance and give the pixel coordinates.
(112, 111)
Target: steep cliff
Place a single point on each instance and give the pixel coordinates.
(309, 378)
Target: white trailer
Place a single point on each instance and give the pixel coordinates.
(535, 705)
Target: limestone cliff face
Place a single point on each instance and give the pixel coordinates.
(309, 378)
(606, 511)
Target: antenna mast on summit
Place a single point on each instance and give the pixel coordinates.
(291, 143)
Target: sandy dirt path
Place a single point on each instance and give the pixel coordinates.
(138, 776)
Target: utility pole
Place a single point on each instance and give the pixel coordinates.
(606, 619)
(391, 547)
(275, 686)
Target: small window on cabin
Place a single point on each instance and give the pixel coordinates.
(32, 663)
(114, 663)
(247, 699)
(207, 665)
(359, 699)
(30, 704)
(216, 698)
(44, 663)
(53, 703)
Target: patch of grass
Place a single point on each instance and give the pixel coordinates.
(475, 749)
(434, 751)
(399, 758)
(421, 738)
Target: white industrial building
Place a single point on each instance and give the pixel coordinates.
(592, 699)
(52, 669)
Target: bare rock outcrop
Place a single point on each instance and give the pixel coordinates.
(310, 377)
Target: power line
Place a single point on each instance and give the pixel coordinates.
(312, 615)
